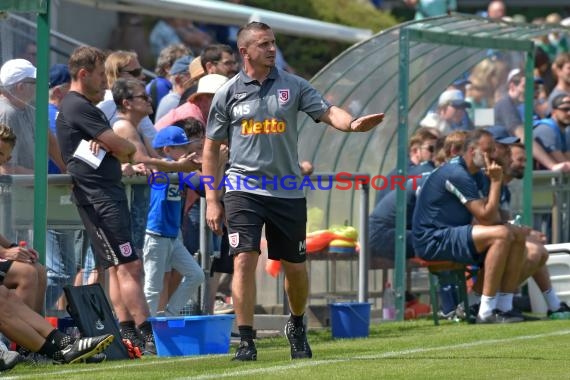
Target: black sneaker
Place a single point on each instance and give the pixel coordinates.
(527, 318)
(474, 309)
(9, 359)
(133, 336)
(84, 348)
(35, 359)
(498, 316)
(563, 312)
(449, 316)
(246, 352)
(149, 347)
(297, 336)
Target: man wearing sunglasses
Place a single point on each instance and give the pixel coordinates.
(124, 64)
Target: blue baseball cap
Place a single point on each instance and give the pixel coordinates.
(58, 75)
(170, 136)
(502, 135)
(181, 65)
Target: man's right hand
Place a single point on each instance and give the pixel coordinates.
(190, 162)
(214, 216)
(494, 171)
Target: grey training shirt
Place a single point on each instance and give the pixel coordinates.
(260, 123)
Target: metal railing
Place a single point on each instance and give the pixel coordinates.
(551, 197)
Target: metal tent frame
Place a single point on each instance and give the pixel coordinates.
(402, 71)
(42, 8)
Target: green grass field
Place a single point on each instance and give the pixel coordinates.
(400, 350)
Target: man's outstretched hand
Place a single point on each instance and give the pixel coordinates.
(366, 123)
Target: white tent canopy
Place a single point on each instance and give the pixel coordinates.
(225, 13)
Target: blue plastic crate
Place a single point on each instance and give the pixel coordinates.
(192, 335)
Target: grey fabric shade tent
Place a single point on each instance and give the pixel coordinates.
(402, 71)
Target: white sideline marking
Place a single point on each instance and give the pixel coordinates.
(232, 372)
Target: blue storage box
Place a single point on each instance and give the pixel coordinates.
(192, 335)
(350, 320)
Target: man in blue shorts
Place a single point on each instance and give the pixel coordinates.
(256, 112)
(442, 226)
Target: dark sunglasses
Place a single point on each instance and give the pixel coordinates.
(429, 148)
(134, 72)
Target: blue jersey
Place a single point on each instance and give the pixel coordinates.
(441, 202)
(165, 210)
(413, 169)
(384, 214)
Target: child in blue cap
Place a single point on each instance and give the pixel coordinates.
(163, 248)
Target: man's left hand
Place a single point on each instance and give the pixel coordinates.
(366, 123)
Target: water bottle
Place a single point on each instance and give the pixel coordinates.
(517, 221)
(388, 303)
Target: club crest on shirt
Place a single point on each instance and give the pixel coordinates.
(283, 95)
(234, 239)
(126, 249)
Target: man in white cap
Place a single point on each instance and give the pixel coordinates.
(450, 115)
(17, 92)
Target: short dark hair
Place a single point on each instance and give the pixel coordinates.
(7, 135)
(213, 53)
(420, 136)
(243, 33)
(85, 57)
(124, 89)
(194, 128)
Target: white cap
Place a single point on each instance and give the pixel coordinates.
(454, 98)
(16, 70)
(209, 84)
(512, 73)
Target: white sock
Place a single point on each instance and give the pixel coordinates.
(505, 301)
(551, 299)
(488, 304)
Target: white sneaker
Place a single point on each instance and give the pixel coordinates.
(220, 307)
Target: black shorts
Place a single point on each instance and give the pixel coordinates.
(4, 268)
(108, 225)
(224, 263)
(285, 225)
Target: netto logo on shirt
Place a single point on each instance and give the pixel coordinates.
(266, 127)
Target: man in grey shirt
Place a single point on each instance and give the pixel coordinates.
(551, 133)
(256, 113)
(17, 91)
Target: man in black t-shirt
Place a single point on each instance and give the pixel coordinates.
(98, 192)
